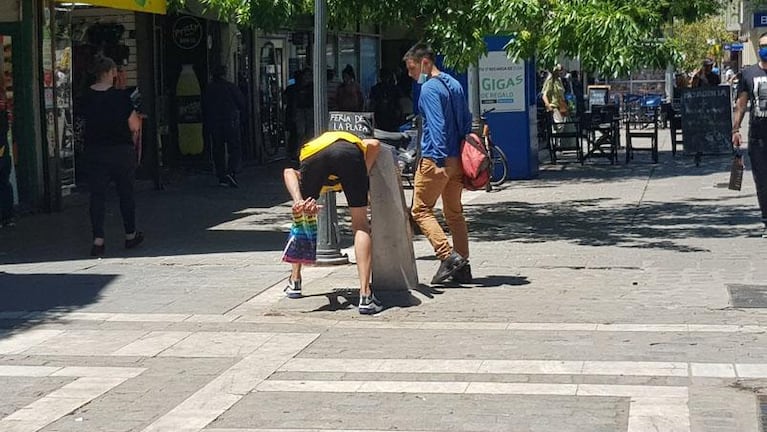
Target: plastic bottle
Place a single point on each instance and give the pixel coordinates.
(190, 139)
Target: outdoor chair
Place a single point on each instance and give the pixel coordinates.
(566, 137)
(602, 127)
(642, 126)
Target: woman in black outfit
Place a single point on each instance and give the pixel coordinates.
(111, 127)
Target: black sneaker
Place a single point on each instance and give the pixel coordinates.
(463, 275)
(764, 233)
(231, 181)
(135, 241)
(448, 267)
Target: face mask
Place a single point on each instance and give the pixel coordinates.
(422, 77)
(763, 53)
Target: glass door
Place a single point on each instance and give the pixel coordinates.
(8, 145)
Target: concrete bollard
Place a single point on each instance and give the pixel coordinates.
(394, 269)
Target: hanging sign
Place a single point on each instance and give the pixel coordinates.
(148, 6)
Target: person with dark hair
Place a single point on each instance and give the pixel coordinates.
(6, 164)
(753, 87)
(705, 75)
(111, 131)
(222, 106)
(290, 96)
(332, 90)
(446, 120)
(305, 107)
(577, 87)
(337, 158)
(384, 102)
(349, 96)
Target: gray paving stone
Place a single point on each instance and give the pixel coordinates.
(485, 413)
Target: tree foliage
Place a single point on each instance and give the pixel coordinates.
(698, 40)
(611, 37)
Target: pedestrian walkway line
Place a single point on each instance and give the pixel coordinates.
(528, 367)
(90, 383)
(275, 294)
(651, 408)
(227, 389)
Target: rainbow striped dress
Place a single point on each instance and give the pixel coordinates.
(302, 242)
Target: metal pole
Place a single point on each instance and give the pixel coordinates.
(328, 251)
(474, 94)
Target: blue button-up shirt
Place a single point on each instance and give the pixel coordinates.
(446, 117)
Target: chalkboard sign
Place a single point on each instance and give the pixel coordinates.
(707, 120)
(358, 123)
(598, 95)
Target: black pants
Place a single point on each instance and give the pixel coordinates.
(757, 152)
(225, 136)
(6, 190)
(118, 165)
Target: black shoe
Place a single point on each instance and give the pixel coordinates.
(97, 250)
(231, 181)
(135, 241)
(463, 275)
(448, 267)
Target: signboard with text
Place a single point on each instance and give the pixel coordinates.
(357, 123)
(148, 6)
(501, 83)
(760, 19)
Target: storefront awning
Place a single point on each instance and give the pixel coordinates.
(148, 6)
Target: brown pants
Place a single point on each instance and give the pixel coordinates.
(432, 182)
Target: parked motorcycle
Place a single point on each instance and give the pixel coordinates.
(404, 145)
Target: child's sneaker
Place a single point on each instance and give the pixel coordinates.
(293, 290)
(370, 305)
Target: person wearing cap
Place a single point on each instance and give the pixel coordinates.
(705, 76)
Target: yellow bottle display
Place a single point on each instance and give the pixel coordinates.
(190, 139)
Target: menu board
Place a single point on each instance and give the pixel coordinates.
(707, 120)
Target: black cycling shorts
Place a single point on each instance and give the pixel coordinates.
(344, 160)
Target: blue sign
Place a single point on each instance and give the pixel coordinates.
(760, 19)
(736, 46)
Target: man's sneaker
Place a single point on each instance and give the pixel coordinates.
(764, 233)
(231, 181)
(463, 275)
(448, 267)
(293, 290)
(370, 305)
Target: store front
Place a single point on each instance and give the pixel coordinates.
(281, 55)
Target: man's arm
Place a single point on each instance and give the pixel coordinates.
(740, 111)
(434, 116)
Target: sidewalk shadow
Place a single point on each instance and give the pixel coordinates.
(603, 222)
(350, 298)
(490, 281)
(27, 300)
(193, 217)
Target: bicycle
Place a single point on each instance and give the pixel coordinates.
(500, 165)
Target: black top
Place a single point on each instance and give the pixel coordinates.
(222, 101)
(754, 82)
(106, 114)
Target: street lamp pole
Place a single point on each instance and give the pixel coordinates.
(328, 251)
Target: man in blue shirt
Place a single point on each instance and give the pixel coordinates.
(446, 120)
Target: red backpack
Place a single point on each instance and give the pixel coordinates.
(475, 162)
